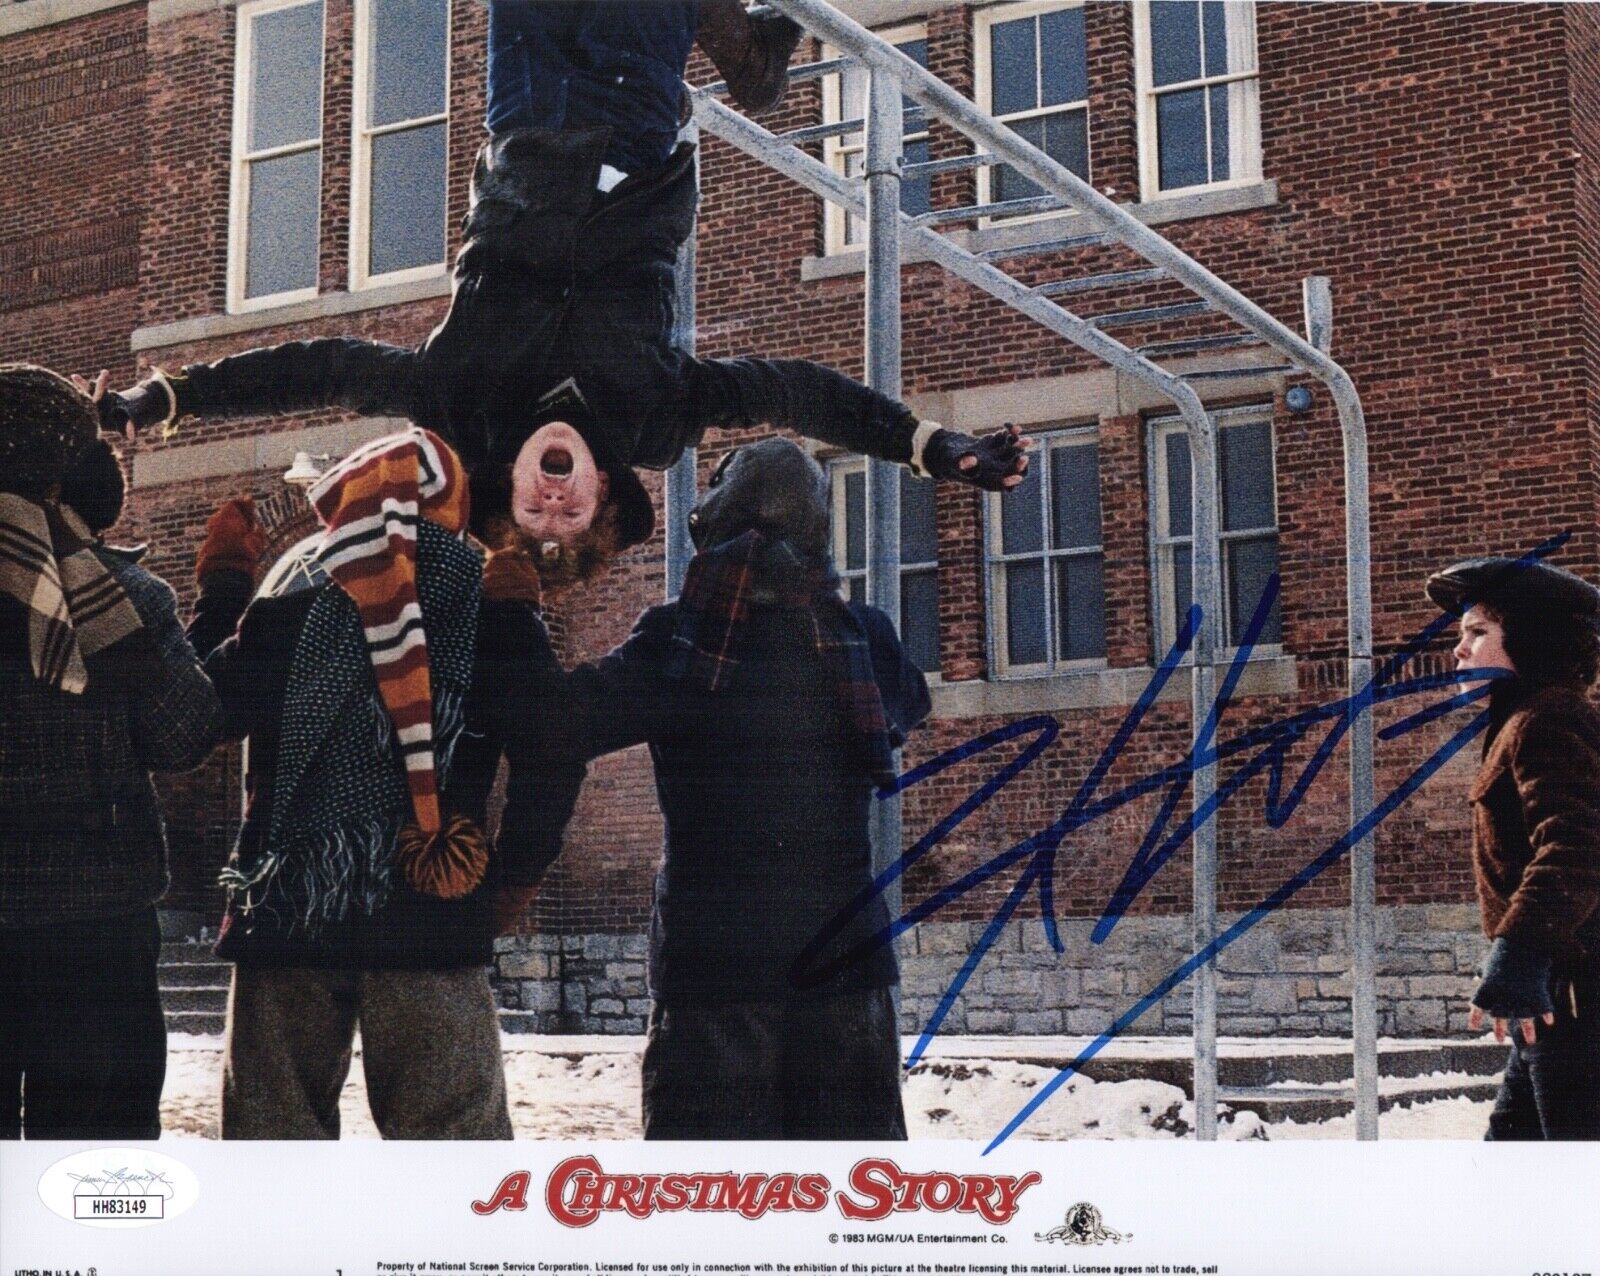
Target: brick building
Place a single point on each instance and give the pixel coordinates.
(187, 178)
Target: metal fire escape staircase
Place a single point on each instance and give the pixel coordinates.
(875, 198)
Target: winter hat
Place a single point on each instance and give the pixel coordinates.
(45, 425)
(95, 486)
(1520, 586)
(371, 504)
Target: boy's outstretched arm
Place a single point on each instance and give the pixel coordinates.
(822, 404)
(366, 376)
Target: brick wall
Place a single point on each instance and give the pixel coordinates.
(1435, 161)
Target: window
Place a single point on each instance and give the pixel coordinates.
(1032, 75)
(277, 150)
(1248, 523)
(1046, 563)
(919, 554)
(397, 224)
(1199, 120)
(844, 97)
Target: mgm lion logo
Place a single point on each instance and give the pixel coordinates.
(1082, 1226)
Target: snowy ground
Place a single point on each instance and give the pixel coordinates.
(558, 1091)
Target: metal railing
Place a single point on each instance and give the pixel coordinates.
(875, 197)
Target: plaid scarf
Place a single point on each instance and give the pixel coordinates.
(371, 504)
(715, 604)
(75, 606)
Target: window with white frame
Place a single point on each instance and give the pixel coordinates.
(1046, 561)
(277, 153)
(1033, 75)
(397, 225)
(1199, 115)
(1247, 522)
(919, 553)
(844, 97)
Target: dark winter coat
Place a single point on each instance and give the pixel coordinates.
(413, 931)
(81, 835)
(1536, 824)
(766, 813)
(517, 328)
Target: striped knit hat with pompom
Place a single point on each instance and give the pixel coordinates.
(371, 504)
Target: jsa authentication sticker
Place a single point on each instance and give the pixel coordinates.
(118, 1187)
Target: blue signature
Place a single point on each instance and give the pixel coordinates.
(1262, 749)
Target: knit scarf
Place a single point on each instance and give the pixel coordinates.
(75, 606)
(335, 843)
(371, 504)
(718, 589)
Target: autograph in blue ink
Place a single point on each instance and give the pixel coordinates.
(1267, 748)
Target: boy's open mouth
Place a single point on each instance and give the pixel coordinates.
(556, 462)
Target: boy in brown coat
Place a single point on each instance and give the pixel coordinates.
(1536, 836)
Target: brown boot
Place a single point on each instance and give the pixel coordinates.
(751, 52)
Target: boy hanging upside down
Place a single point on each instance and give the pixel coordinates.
(552, 374)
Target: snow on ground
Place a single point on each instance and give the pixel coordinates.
(588, 1088)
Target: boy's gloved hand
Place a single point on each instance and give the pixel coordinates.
(1515, 986)
(235, 540)
(136, 408)
(995, 462)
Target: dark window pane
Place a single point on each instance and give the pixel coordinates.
(1075, 496)
(408, 176)
(1182, 586)
(1180, 500)
(1080, 607)
(1013, 68)
(1174, 41)
(1022, 516)
(1066, 140)
(1220, 169)
(1025, 613)
(1010, 184)
(916, 192)
(1064, 137)
(286, 77)
(1064, 74)
(1250, 563)
(282, 230)
(855, 589)
(917, 51)
(1181, 138)
(1246, 477)
(1215, 19)
(919, 619)
(919, 534)
(855, 520)
(409, 40)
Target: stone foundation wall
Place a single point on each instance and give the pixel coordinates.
(1288, 976)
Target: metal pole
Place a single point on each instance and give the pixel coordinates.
(883, 158)
(1207, 586)
(680, 485)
